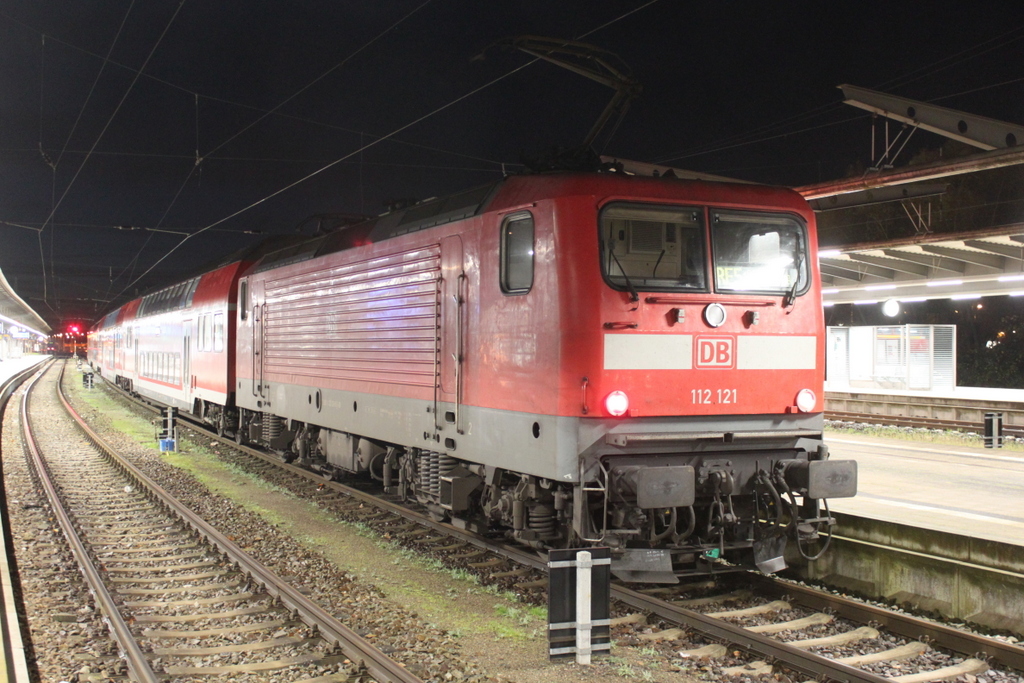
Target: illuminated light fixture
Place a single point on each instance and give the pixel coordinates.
(831, 290)
(944, 283)
(714, 315)
(829, 253)
(864, 303)
(1018, 293)
(15, 322)
(1011, 278)
(965, 297)
(878, 288)
(616, 403)
(806, 400)
(891, 308)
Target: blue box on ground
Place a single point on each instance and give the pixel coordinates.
(166, 444)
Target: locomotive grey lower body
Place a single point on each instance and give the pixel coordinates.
(670, 496)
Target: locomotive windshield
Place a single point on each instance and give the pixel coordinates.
(759, 253)
(653, 247)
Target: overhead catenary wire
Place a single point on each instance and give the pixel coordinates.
(113, 114)
(320, 170)
(242, 105)
(362, 148)
(199, 158)
(955, 59)
(92, 88)
(273, 160)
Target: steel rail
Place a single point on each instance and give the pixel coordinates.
(807, 663)
(138, 665)
(15, 667)
(1006, 654)
(923, 422)
(355, 647)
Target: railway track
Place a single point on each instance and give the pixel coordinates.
(180, 598)
(738, 626)
(919, 422)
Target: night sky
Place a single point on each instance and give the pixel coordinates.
(265, 94)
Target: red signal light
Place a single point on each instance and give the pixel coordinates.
(75, 328)
(616, 403)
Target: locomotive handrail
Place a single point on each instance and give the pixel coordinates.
(707, 300)
(625, 440)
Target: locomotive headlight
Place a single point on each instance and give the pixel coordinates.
(616, 403)
(805, 400)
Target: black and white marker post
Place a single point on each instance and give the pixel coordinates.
(168, 436)
(579, 603)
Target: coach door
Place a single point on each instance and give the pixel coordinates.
(188, 379)
(258, 313)
(134, 370)
(453, 308)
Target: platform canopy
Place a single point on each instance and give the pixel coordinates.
(947, 266)
(14, 311)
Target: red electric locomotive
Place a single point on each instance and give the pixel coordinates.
(571, 357)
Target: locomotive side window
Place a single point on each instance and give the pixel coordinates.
(653, 247)
(759, 253)
(243, 299)
(517, 254)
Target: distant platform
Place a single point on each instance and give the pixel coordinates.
(966, 393)
(9, 367)
(965, 490)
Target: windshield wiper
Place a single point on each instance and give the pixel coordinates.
(790, 297)
(633, 296)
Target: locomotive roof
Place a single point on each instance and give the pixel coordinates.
(462, 205)
(426, 214)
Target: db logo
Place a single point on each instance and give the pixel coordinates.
(715, 352)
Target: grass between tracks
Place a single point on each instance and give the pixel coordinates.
(423, 585)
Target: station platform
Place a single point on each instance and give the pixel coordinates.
(13, 664)
(958, 489)
(12, 366)
(965, 393)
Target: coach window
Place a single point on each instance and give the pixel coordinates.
(517, 254)
(202, 333)
(218, 332)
